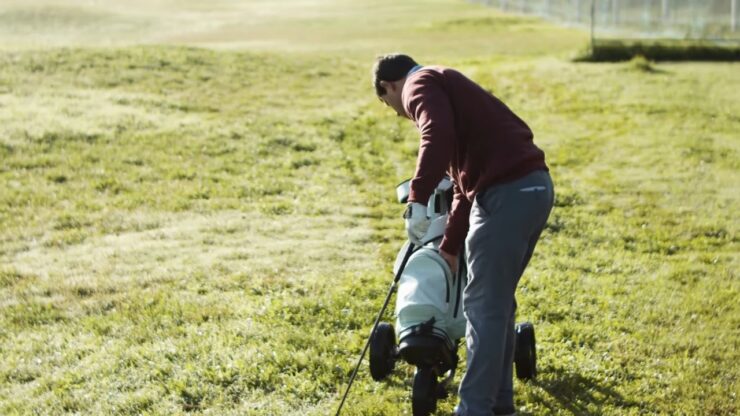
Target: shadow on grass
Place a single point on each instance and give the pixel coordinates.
(579, 394)
(562, 389)
(615, 50)
(557, 390)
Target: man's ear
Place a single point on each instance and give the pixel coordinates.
(387, 85)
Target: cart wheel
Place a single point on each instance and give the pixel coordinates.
(525, 355)
(424, 394)
(382, 351)
(441, 391)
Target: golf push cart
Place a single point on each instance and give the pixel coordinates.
(429, 314)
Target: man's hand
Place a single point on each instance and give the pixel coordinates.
(417, 222)
(451, 260)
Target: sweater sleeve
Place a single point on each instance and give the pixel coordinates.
(457, 222)
(427, 103)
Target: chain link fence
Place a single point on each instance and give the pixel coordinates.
(710, 20)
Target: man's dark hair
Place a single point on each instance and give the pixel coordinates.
(391, 67)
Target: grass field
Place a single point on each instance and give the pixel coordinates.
(197, 209)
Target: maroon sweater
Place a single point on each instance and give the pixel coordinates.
(469, 134)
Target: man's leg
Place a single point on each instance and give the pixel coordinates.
(504, 403)
(488, 299)
(503, 222)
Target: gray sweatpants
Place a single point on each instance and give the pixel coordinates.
(505, 223)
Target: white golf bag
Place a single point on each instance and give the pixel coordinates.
(429, 297)
(429, 314)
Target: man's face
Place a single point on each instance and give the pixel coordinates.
(392, 96)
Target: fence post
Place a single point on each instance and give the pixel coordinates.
(647, 13)
(664, 9)
(615, 12)
(593, 19)
(733, 15)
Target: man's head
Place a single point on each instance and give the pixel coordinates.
(389, 75)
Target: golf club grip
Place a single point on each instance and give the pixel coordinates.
(375, 325)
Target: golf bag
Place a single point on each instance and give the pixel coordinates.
(429, 315)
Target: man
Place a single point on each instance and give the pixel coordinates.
(502, 198)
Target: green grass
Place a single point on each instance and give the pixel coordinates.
(210, 231)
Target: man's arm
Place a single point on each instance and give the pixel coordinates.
(457, 223)
(429, 106)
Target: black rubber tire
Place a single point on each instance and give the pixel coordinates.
(424, 393)
(525, 353)
(442, 392)
(382, 351)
